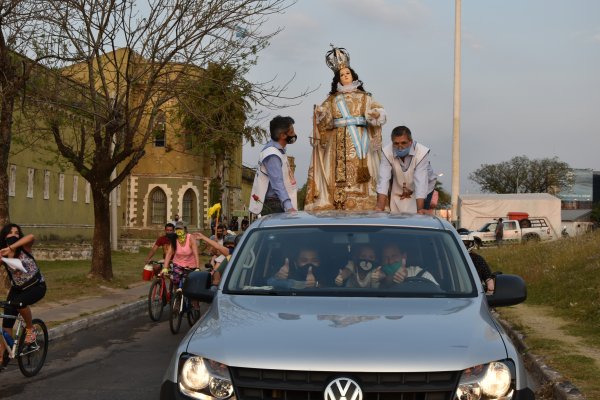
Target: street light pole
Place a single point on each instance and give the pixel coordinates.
(456, 117)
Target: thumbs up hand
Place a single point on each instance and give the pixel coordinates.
(402, 272)
(284, 271)
(377, 275)
(311, 281)
(339, 279)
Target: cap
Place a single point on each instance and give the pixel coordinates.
(229, 239)
(179, 225)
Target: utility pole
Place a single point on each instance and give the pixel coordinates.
(456, 117)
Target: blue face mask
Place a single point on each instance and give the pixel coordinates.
(401, 152)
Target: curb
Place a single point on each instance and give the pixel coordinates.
(546, 376)
(63, 331)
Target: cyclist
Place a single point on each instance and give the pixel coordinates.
(183, 251)
(162, 241)
(27, 285)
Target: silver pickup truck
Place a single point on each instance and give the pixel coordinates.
(515, 231)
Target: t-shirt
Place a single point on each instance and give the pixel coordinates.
(162, 241)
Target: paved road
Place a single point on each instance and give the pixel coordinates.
(120, 360)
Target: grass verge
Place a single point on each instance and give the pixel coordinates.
(564, 276)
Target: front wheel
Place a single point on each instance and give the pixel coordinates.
(193, 314)
(155, 300)
(176, 312)
(31, 357)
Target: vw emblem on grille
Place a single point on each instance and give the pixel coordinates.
(343, 389)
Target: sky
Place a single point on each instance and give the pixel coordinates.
(530, 76)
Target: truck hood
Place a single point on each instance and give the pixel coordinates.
(342, 333)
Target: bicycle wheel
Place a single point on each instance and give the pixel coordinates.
(193, 314)
(176, 312)
(155, 300)
(31, 357)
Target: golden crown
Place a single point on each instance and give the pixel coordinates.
(337, 58)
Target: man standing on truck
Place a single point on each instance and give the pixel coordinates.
(499, 232)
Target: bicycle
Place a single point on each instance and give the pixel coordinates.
(30, 356)
(160, 293)
(181, 305)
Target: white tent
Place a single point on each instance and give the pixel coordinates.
(476, 209)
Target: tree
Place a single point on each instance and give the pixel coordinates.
(130, 62)
(215, 111)
(20, 33)
(444, 197)
(522, 175)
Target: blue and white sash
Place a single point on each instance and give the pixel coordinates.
(361, 141)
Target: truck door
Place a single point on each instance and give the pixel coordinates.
(512, 232)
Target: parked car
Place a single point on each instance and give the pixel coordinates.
(267, 335)
(515, 231)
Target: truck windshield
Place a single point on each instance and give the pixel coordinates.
(349, 261)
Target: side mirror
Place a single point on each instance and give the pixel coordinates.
(197, 286)
(509, 291)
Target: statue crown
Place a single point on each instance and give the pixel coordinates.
(337, 58)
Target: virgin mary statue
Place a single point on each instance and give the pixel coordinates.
(346, 143)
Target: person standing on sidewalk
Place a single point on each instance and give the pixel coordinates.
(275, 189)
(499, 232)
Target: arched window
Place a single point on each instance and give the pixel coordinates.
(160, 129)
(158, 207)
(189, 207)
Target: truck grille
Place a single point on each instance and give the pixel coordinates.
(255, 384)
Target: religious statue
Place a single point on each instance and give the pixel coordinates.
(346, 143)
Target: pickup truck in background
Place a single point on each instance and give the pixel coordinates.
(515, 231)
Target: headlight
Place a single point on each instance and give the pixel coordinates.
(205, 379)
(486, 382)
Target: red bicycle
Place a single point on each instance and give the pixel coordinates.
(160, 292)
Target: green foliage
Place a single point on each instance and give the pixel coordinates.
(596, 213)
(444, 197)
(215, 110)
(302, 196)
(215, 191)
(522, 175)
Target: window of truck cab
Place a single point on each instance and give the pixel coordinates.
(265, 250)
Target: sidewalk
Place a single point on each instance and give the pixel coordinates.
(66, 319)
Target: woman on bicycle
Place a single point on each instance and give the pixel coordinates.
(183, 251)
(26, 287)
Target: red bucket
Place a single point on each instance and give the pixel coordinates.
(148, 272)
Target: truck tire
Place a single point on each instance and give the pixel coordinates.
(477, 243)
(531, 237)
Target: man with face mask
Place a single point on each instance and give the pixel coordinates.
(275, 189)
(304, 271)
(394, 268)
(405, 165)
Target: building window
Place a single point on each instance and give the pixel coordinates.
(75, 187)
(189, 202)
(61, 186)
(46, 185)
(158, 206)
(87, 192)
(12, 180)
(160, 129)
(30, 179)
